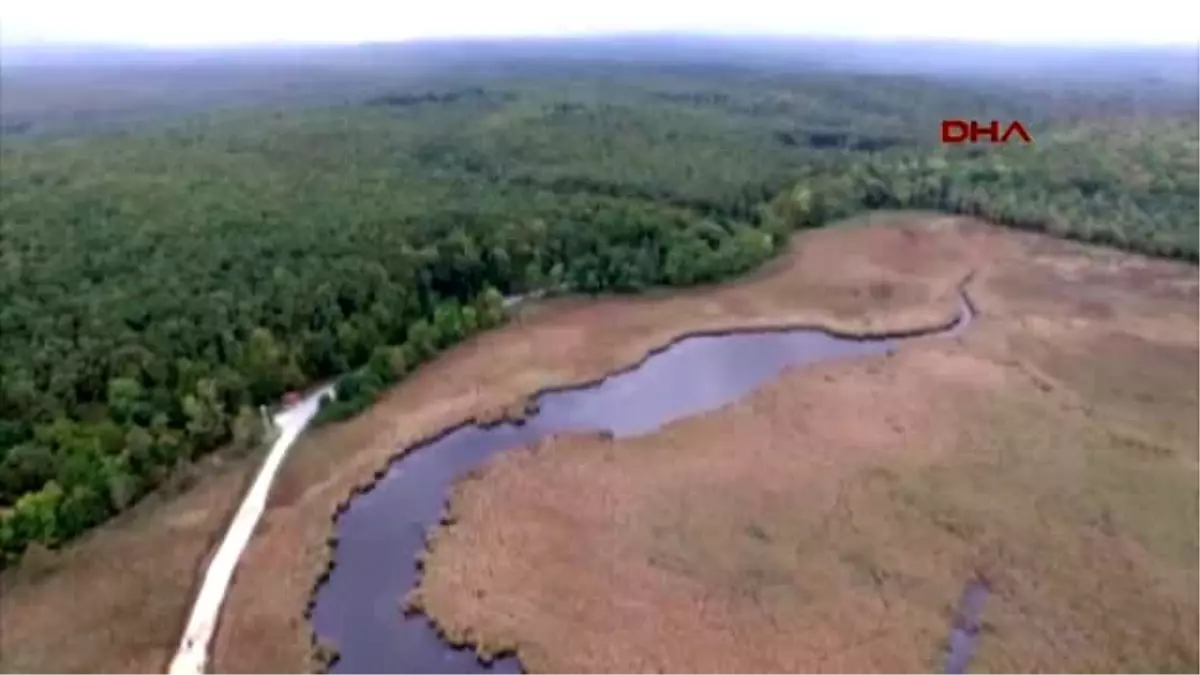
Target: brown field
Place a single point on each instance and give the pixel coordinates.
(1052, 448)
(829, 521)
(116, 600)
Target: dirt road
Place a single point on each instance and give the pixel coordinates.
(193, 647)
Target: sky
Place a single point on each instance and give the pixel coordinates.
(167, 23)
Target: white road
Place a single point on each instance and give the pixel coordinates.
(192, 656)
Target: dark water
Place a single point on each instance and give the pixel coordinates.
(964, 633)
(380, 535)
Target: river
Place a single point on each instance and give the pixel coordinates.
(379, 537)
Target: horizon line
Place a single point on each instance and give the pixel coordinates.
(570, 36)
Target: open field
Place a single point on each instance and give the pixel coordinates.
(829, 521)
(1052, 447)
(117, 599)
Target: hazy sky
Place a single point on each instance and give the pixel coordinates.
(204, 22)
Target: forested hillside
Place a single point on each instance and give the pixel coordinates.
(159, 283)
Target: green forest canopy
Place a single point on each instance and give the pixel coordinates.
(160, 281)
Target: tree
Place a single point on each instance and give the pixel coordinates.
(122, 482)
(263, 365)
(126, 401)
(35, 516)
(206, 420)
(248, 429)
(25, 468)
(400, 361)
(380, 364)
(422, 340)
(447, 323)
(139, 450)
(490, 308)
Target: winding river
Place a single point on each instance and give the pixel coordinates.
(379, 536)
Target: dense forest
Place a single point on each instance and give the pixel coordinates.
(159, 282)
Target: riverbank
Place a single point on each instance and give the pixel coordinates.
(902, 273)
(830, 520)
(384, 530)
(117, 600)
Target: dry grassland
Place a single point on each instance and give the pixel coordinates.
(116, 600)
(829, 521)
(826, 522)
(850, 278)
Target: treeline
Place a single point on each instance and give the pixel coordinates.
(472, 93)
(157, 287)
(106, 395)
(451, 323)
(1115, 201)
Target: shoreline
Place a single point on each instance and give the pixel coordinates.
(326, 652)
(492, 378)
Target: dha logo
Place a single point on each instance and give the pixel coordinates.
(969, 131)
